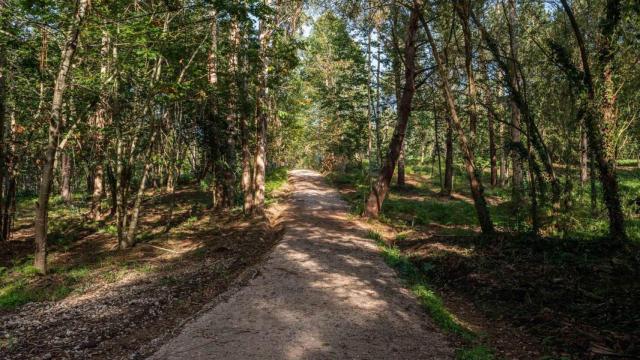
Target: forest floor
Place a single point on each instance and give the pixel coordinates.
(526, 298)
(103, 303)
(324, 292)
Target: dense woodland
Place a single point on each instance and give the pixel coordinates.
(518, 119)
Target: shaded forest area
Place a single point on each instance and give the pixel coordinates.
(144, 146)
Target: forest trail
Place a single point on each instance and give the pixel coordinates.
(324, 292)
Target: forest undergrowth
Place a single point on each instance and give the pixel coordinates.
(554, 296)
(103, 302)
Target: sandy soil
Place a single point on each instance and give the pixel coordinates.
(323, 293)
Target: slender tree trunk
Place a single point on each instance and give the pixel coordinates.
(246, 181)
(447, 188)
(9, 200)
(370, 110)
(475, 182)
(262, 119)
(503, 158)
(3, 167)
(65, 172)
(516, 161)
(135, 211)
(584, 156)
(42, 206)
(397, 75)
(493, 157)
(99, 122)
(120, 193)
(378, 108)
(381, 185)
(215, 141)
(437, 149)
(401, 175)
(229, 176)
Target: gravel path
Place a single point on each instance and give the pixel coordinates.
(323, 293)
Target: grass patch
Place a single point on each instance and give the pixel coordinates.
(19, 285)
(415, 280)
(475, 353)
(275, 180)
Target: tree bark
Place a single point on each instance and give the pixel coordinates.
(447, 187)
(401, 176)
(135, 211)
(503, 158)
(3, 167)
(381, 186)
(262, 117)
(99, 121)
(437, 145)
(246, 181)
(8, 205)
(584, 156)
(42, 205)
(475, 182)
(65, 173)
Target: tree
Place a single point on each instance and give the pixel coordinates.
(55, 123)
(380, 187)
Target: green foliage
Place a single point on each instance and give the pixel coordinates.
(335, 72)
(276, 179)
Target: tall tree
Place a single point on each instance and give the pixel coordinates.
(475, 181)
(380, 187)
(42, 206)
(593, 114)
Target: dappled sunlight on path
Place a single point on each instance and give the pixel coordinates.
(324, 292)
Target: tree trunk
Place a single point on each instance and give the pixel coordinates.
(437, 146)
(381, 185)
(3, 167)
(397, 75)
(516, 161)
(493, 158)
(246, 181)
(520, 102)
(475, 182)
(99, 121)
(8, 203)
(401, 177)
(370, 110)
(584, 156)
(42, 205)
(378, 108)
(447, 187)
(135, 211)
(262, 116)
(65, 172)
(592, 124)
(229, 176)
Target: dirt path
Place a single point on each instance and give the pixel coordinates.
(323, 293)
